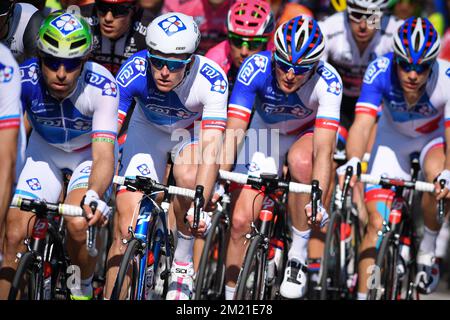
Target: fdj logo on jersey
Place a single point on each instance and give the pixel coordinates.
(143, 169)
(172, 25)
(66, 24)
(6, 73)
(131, 71)
(34, 184)
(375, 68)
(108, 87)
(218, 83)
(256, 64)
(334, 85)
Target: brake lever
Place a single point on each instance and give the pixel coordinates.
(199, 202)
(316, 195)
(92, 234)
(441, 204)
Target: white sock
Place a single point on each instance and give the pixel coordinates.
(299, 247)
(442, 241)
(85, 289)
(428, 243)
(229, 292)
(361, 296)
(185, 246)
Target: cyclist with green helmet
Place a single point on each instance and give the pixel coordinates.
(72, 105)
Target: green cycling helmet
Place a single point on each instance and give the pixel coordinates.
(65, 35)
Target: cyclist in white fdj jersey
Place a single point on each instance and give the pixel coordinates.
(19, 26)
(414, 88)
(72, 106)
(297, 99)
(176, 91)
(10, 110)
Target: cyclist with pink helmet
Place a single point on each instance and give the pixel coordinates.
(249, 25)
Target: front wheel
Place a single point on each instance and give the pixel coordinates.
(28, 273)
(251, 282)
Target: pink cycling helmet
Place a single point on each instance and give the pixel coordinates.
(251, 18)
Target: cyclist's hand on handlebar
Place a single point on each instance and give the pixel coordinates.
(320, 216)
(101, 215)
(354, 163)
(204, 223)
(442, 193)
(219, 190)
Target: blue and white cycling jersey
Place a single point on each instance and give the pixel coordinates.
(381, 84)
(316, 103)
(89, 111)
(202, 95)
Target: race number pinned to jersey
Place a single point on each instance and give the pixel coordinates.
(334, 84)
(375, 68)
(252, 66)
(131, 71)
(66, 24)
(6, 73)
(218, 83)
(108, 87)
(30, 73)
(34, 184)
(172, 25)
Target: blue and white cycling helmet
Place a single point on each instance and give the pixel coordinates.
(417, 41)
(300, 41)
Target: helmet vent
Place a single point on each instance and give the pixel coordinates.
(51, 41)
(77, 44)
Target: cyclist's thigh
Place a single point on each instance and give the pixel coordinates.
(185, 163)
(432, 158)
(245, 206)
(300, 158)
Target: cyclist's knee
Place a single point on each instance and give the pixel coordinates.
(300, 166)
(77, 228)
(240, 224)
(185, 175)
(16, 230)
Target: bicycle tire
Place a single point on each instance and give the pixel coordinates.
(251, 262)
(386, 275)
(26, 264)
(127, 260)
(333, 234)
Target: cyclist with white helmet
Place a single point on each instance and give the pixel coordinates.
(356, 37)
(19, 26)
(413, 86)
(72, 106)
(249, 25)
(180, 96)
(297, 99)
(10, 113)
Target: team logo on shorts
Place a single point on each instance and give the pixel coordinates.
(34, 184)
(86, 169)
(143, 169)
(66, 24)
(6, 73)
(172, 25)
(252, 167)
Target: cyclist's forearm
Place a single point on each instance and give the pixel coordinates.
(102, 170)
(234, 136)
(210, 147)
(322, 168)
(447, 149)
(357, 141)
(7, 171)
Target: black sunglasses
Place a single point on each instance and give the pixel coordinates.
(53, 63)
(117, 10)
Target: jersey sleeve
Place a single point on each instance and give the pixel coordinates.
(447, 105)
(215, 99)
(131, 81)
(249, 79)
(371, 96)
(329, 94)
(10, 93)
(105, 103)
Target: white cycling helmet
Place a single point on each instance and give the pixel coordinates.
(173, 33)
(367, 4)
